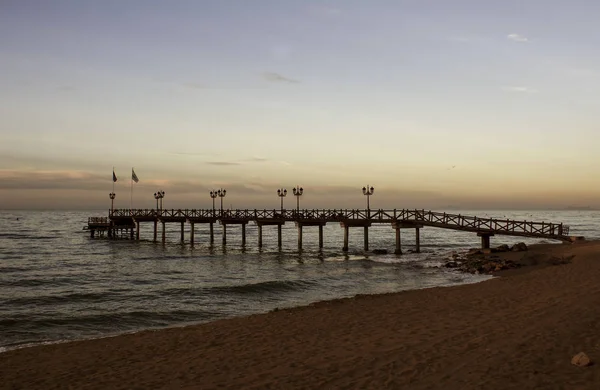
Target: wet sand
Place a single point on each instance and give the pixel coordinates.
(518, 331)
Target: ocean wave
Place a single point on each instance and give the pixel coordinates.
(36, 282)
(271, 286)
(42, 300)
(268, 286)
(92, 323)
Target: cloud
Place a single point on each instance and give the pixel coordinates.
(222, 163)
(50, 180)
(257, 159)
(192, 153)
(277, 78)
(519, 89)
(517, 38)
(239, 162)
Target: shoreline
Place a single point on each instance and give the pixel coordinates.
(522, 328)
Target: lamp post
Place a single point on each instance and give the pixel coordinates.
(159, 195)
(221, 193)
(282, 192)
(298, 191)
(368, 191)
(213, 195)
(112, 196)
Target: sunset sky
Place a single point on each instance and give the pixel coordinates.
(471, 103)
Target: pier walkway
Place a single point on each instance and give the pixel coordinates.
(127, 222)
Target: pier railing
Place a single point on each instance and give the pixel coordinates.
(98, 220)
(422, 217)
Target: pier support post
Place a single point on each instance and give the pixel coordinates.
(279, 236)
(260, 236)
(346, 233)
(192, 233)
(418, 240)
(131, 232)
(398, 250)
(299, 237)
(212, 234)
(366, 238)
(182, 238)
(137, 230)
(243, 234)
(155, 230)
(164, 232)
(320, 236)
(485, 240)
(92, 231)
(224, 234)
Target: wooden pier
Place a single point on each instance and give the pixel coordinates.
(125, 223)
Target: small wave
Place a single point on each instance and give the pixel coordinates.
(250, 288)
(15, 236)
(269, 286)
(13, 269)
(44, 300)
(36, 282)
(101, 323)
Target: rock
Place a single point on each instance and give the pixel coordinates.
(451, 264)
(502, 248)
(380, 251)
(581, 360)
(520, 247)
(487, 251)
(473, 252)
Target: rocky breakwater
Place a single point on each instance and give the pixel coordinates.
(486, 261)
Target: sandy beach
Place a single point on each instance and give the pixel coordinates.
(519, 331)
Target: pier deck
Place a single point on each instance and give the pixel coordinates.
(396, 218)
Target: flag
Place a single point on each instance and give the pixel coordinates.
(114, 176)
(134, 176)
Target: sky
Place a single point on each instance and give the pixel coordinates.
(434, 103)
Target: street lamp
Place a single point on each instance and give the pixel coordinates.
(159, 196)
(213, 195)
(298, 191)
(368, 191)
(112, 200)
(282, 192)
(221, 193)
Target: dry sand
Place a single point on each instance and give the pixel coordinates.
(513, 332)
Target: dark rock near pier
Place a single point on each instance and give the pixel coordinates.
(520, 247)
(502, 248)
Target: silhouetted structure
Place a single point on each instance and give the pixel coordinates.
(126, 223)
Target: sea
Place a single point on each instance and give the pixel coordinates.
(57, 284)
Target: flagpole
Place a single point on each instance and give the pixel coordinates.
(113, 179)
(131, 201)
